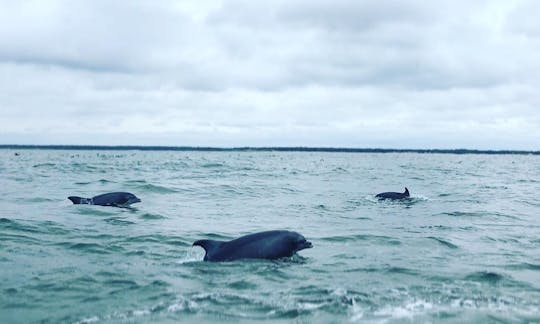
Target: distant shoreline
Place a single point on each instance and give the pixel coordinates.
(262, 149)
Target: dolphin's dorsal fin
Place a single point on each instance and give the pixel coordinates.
(406, 193)
(208, 245)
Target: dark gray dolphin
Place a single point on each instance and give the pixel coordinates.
(264, 245)
(394, 195)
(116, 199)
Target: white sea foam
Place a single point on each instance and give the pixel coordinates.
(182, 304)
(408, 310)
(192, 255)
(87, 320)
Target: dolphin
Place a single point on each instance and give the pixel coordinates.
(116, 199)
(394, 195)
(263, 245)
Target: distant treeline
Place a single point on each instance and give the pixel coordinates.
(263, 149)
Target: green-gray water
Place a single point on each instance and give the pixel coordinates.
(464, 248)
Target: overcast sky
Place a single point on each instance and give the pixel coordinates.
(393, 74)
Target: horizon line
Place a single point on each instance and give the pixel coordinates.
(265, 149)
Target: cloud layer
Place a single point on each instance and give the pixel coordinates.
(403, 74)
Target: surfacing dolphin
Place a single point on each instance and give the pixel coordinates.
(116, 199)
(264, 245)
(394, 195)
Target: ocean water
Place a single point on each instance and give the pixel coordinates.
(464, 248)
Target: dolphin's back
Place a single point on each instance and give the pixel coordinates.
(263, 245)
(390, 195)
(116, 199)
(110, 199)
(393, 195)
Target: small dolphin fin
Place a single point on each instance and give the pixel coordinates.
(406, 193)
(208, 246)
(78, 200)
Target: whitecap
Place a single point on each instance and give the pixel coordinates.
(192, 255)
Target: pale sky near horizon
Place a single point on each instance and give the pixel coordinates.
(372, 73)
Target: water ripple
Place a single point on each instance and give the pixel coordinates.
(155, 188)
(384, 240)
(444, 242)
(485, 277)
(466, 251)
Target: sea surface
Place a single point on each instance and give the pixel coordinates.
(464, 248)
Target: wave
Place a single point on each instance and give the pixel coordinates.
(44, 165)
(385, 240)
(84, 167)
(100, 181)
(6, 222)
(93, 248)
(118, 221)
(123, 283)
(330, 306)
(215, 236)
(464, 214)
(35, 200)
(100, 236)
(212, 165)
(242, 285)
(141, 181)
(94, 210)
(479, 214)
(401, 270)
(19, 239)
(485, 276)
(40, 227)
(159, 238)
(85, 247)
(444, 242)
(524, 266)
(437, 227)
(253, 308)
(150, 216)
(528, 181)
(155, 188)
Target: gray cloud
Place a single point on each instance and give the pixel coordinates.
(346, 73)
